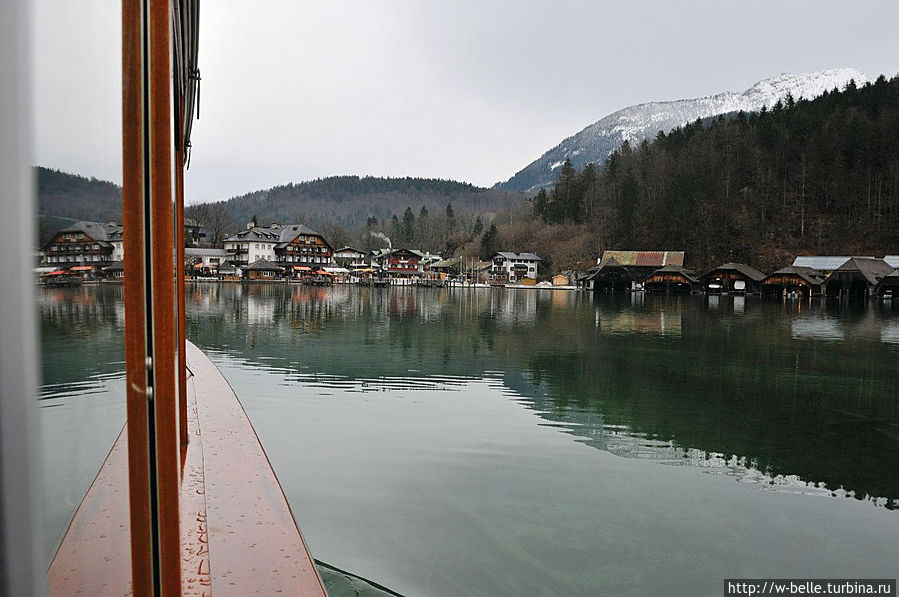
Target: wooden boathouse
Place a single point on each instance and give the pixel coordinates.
(889, 286)
(823, 263)
(672, 278)
(263, 270)
(641, 264)
(608, 276)
(794, 281)
(733, 277)
(626, 270)
(859, 277)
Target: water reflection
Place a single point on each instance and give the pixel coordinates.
(735, 386)
(451, 425)
(82, 399)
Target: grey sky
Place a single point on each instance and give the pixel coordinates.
(469, 90)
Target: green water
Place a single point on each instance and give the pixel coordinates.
(520, 442)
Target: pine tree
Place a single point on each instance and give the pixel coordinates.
(489, 243)
(564, 194)
(395, 228)
(407, 231)
(450, 218)
(541, 205)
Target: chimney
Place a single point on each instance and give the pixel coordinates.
(249, 225)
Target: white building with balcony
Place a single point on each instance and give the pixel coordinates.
(513, 267)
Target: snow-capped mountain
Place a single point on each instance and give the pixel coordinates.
(642, 121)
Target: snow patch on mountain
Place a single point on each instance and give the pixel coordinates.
(643, 121)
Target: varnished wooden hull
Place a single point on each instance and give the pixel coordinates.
(239, 536)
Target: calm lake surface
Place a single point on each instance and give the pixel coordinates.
(518, 442)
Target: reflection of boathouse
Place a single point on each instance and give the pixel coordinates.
(657, 323)
(793, 280)
(733, 277)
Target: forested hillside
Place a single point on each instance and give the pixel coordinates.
(819, 176)
(636, 123)
(348, 209)
(348, 201)
(63, 198)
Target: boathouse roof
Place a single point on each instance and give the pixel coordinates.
(677, 269)
(645, 258)
(826, 263)
(871, 269)
(747, 270)
(595, 271)
(264, 265)
(811, 276)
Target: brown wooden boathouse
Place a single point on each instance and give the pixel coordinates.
(733, 277)
(625, 270)
(608, 276)
(859, 277)
(672, 278)
(794, 280)
(889, 285)
(263, 270)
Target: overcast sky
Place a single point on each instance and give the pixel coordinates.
(468, 90)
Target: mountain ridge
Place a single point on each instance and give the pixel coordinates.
(643, 121)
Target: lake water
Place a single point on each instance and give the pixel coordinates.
(520, 442)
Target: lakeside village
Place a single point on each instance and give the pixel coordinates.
(92, 252)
